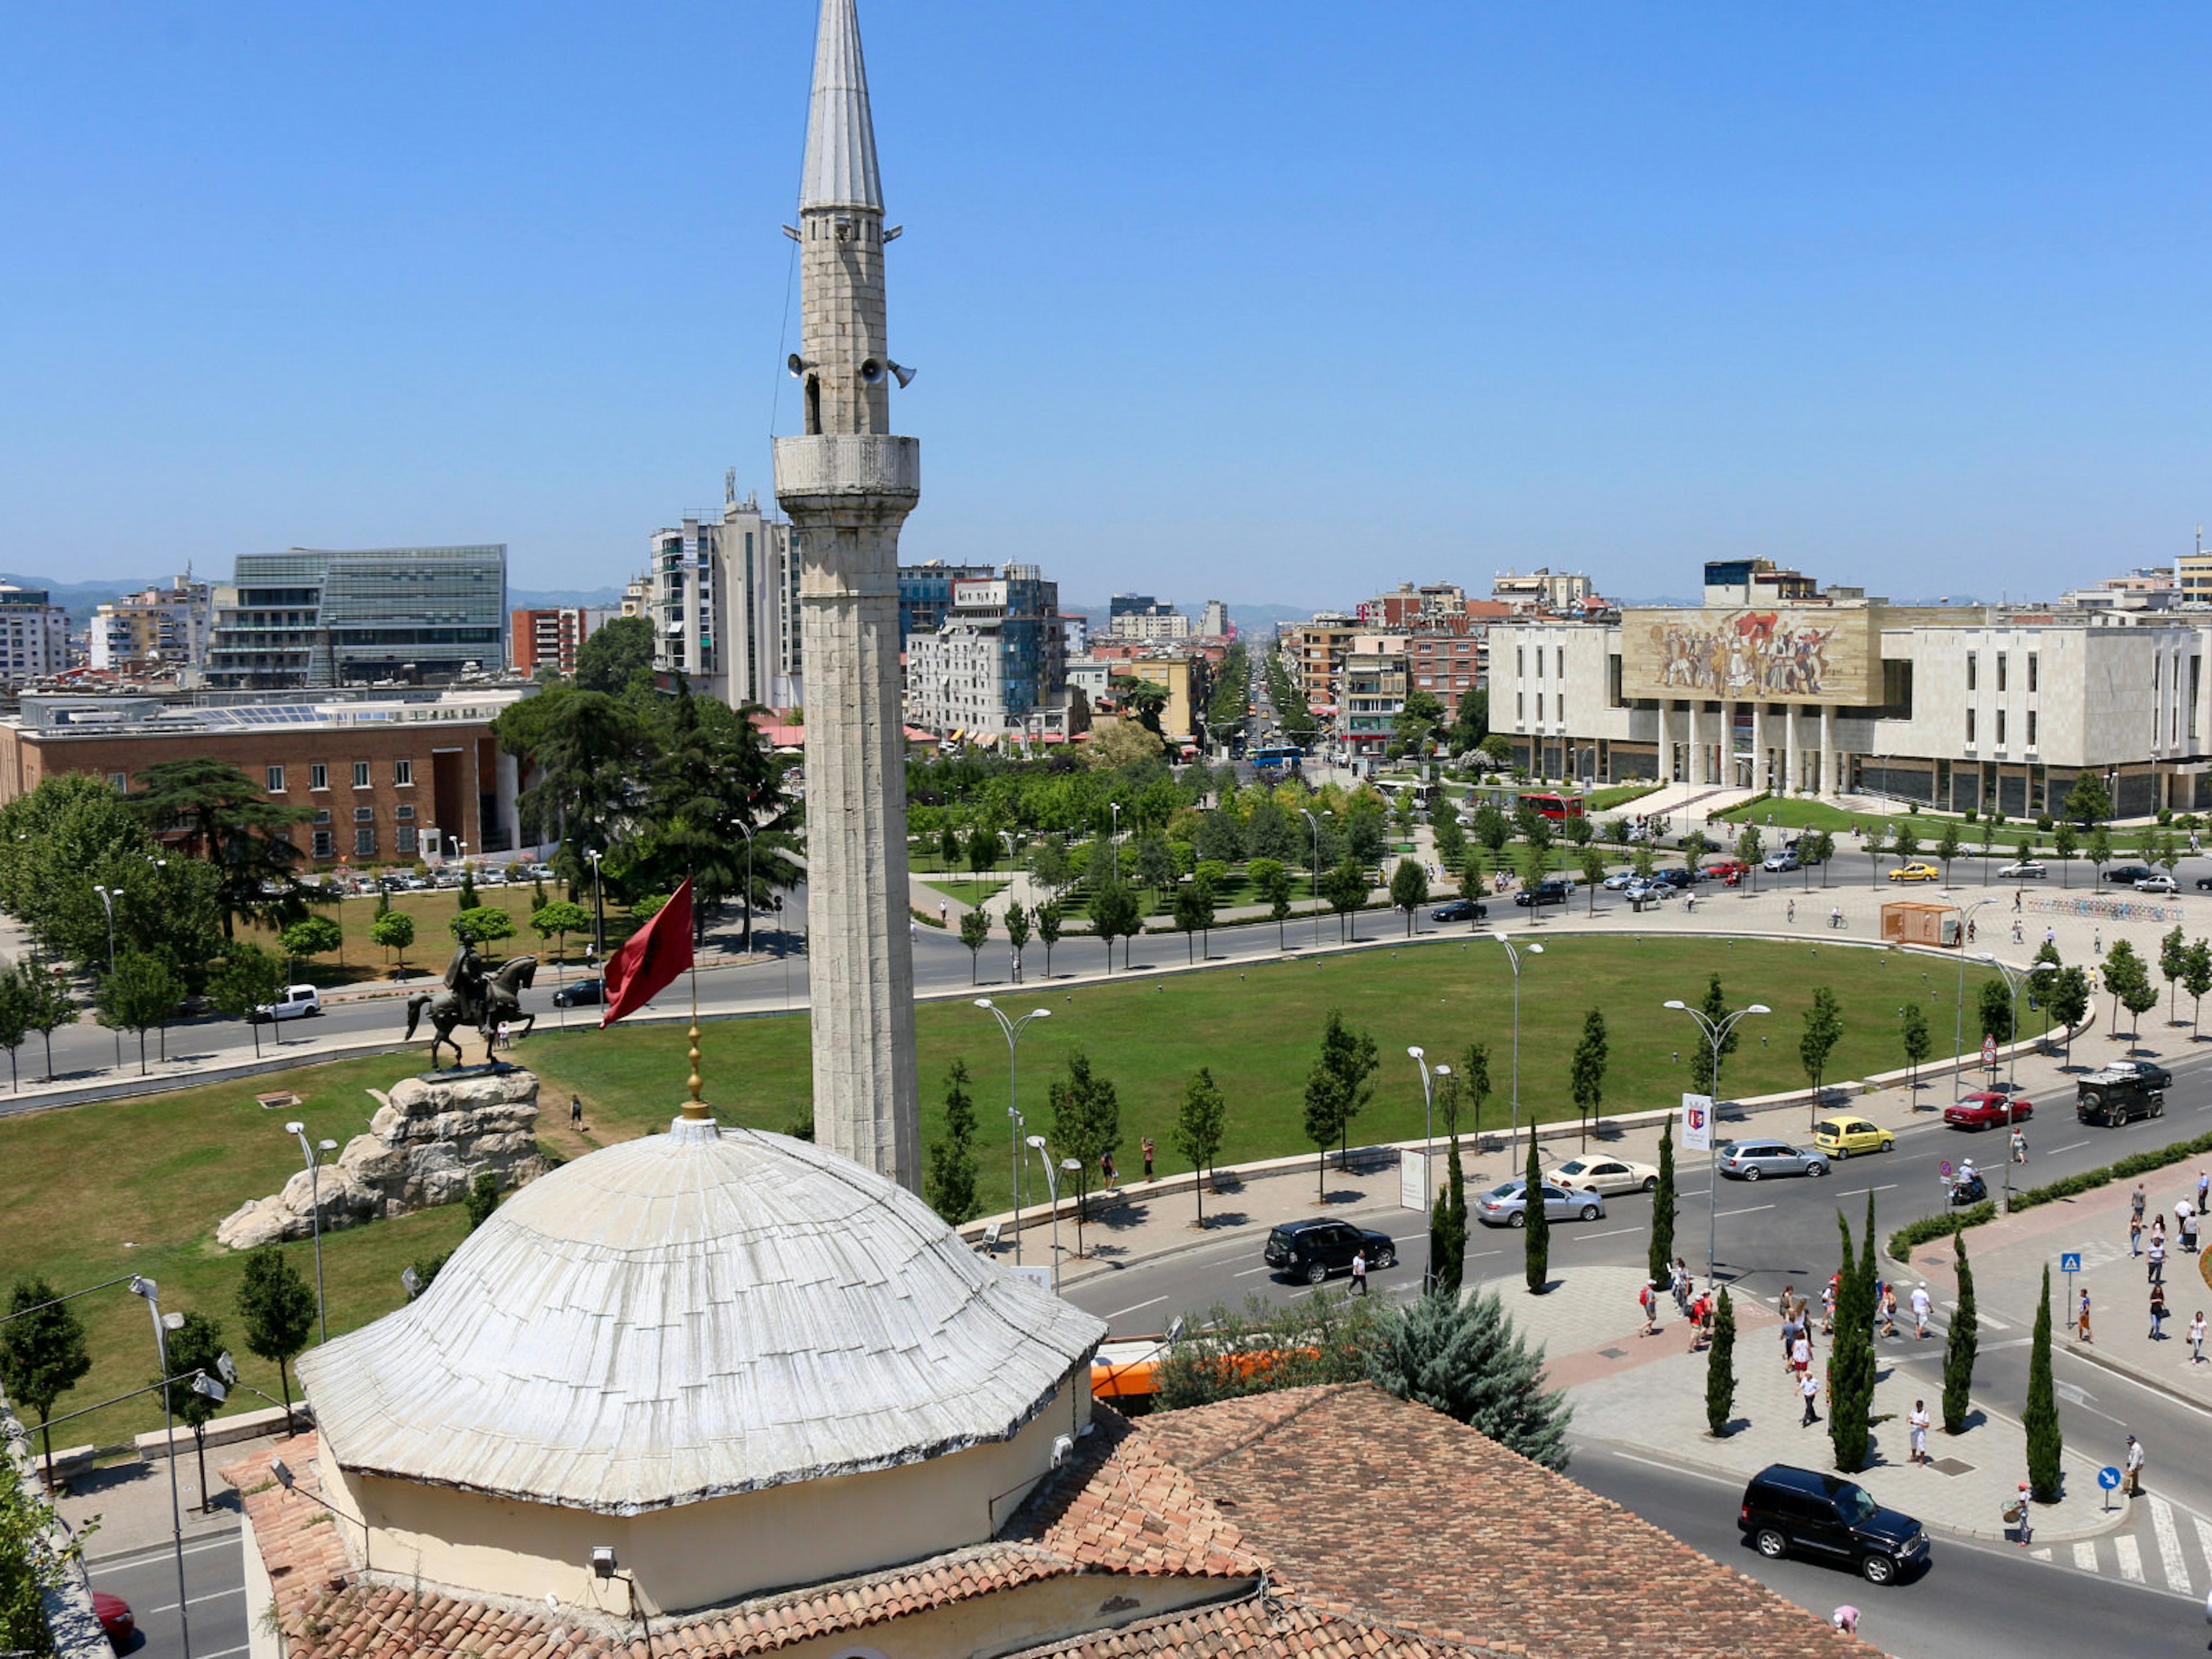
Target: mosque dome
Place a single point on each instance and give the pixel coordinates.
(691, 1316)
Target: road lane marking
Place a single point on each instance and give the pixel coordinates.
(2085, 1555)
(1674, 1468)
(2204, 1536)
(2071, 1146)
(212, 1595)
(1136, 1307)
(2131, 1559)
(1751, 1210)
(1611, 1232)
(1249, 1272)
(2169, 1545)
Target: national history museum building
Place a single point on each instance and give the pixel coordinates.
(1772, 684)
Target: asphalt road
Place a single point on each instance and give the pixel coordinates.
(215, 1579)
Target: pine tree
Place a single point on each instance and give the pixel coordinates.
(277, 1306)
(1959, 1347)
(2046, 1447)
(1720, 1369)
(1463, 1358)
(1448, 1221)
(1536, 1232)
(952, 1157)
(1662, 1259)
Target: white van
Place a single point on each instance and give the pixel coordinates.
(298, 1002)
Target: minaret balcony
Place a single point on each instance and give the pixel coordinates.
(845, 464)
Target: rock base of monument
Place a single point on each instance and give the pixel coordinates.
(431, 1138)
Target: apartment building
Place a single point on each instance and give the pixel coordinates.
(996, 664)
(925, 595)
(725, 607)
(158, 629)
(549, 638)
(1141, 617)
(1542, 590)
(34, 635)
(1314, 652)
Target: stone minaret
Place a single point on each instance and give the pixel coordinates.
(848, 485)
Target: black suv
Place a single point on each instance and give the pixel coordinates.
(1826, 1516)
(1544, 892)
(1312, 1250)
(2116, 1096)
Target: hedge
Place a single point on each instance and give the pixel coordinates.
(1905, 1238)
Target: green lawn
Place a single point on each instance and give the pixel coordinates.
(1600, 801)
(434, 938)
(138, 1185)
(970, 893)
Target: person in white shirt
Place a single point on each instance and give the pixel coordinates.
(2197, 1339)
(1921, 1306)
(1918, 1424)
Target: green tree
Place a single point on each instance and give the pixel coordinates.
(1720, 1369)
(1695, 847)
(1904, 842)
(30, 1567)
(1492, 830)
(555, 921)
(1156, 866)
(141, 993)
(395, 931)
(1948, 845)
(1993, 1008)
(1050, 918)
(465, 895)
(1346, 888)
(619, 650)
(1913, 1032)
(2046, 1447)
(2174, 964)
(1113, 915)
(487, 923)
(47, 1007)
(1750, 848)
(974, 931)
(1450, 839)
(1448, 1214)
(1230, 1353)
(1475, 1077)
(1086, 1124)
(1409, 889)
(249, 980)
(481, 1199)
(1586, 1075)
(2088, 802)
(1201, 1123)
(583, 745)
(15, 1017)
(948, 845)
(1194, 910)
(1464, 1359)
(211, 811)
(1660, 1259)
(1537, 1231)
(1337, 1090)
(1960, 1346)
(1271, 879)
(2043, 979)
(952, 1159)
(1817, 847)
(313, 936)
(276, 1305)
(1715, 1008)
(1017, 935)
(984, 849)
(1824, 1029)
(2124, 971)
(2070, 1004)
(194, 1348)
(1851, 1353)
(2099, 848)
(1593, 873)
(43, 1355)
(2064, 841)
(2196, 980)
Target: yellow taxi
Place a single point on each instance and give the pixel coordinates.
(1840, 1137)
(1916, 873)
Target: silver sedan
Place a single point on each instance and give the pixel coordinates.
(1506, 1206)
(1749, 1160)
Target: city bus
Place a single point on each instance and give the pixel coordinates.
(1557, 808)
(1278, 756)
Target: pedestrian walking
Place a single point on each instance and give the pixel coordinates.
(1801, 1356)
(1359, 1272)
(2135, 1235)
(1828, 1309)
(2189, 1225)
(2197, 1339)
(2097, 942)
(506, 1034)
(1889, 1311)
(2156, 1256)
(2134, 1465)
(1648, 1300)
(1106, 1170)
(1970, 930)
(1683, 1286)
(1792, 917)
(2016, 1513)
(2019, 1144)
(2136, 1201)
(575, 1111)
(1921, 1305)
(943, 912)
(1147, 1148)
(2203, 1190)
(2050, 936)
(2016, 935)
(1918, 1424)
(2158, 1313)
(2082, 1320)
(2015, 908)
(1811, 1390)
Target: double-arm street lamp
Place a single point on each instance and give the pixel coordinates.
(1428, 1115)
(1052, 1191)
(598, 911)
(310, 1149)
(1716, 1033)
(107, 898)
(1513, 953)
(1312, 870)
(1013, 1028)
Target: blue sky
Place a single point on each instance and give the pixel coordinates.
(1276, 302)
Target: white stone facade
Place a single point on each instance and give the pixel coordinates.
(724, 607)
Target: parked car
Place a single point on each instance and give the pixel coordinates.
(1783, 862)
(1676, 878)
(1544, 892)
(1988, 1110)
(1603, 1175)
(2157, 884)
(1724, 870)
(1916, 873)
(298, 1002)
(1459, 910)
(2127, 875)
(116, 1622)
(1807, 1512)
(2113, 1096)
(1653, 890)
(1840, 1137)
(2205, 883)
(1312, 1250)
(1620, 881)
(1750, 1160)
(2026, 870)
(583, 993)
(1506, 1204)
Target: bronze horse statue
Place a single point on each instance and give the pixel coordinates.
(500, 1003)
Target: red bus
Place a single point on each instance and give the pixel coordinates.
(1557, 808)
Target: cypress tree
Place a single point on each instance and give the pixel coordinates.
(1662, 1207)
(1720, 1368)
(1959, 1348)
(952, 1182)
(2045, 1446)
(1537, 1234)
(1448, 1233)
(1850, 1355)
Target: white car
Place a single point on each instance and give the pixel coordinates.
(2156, 885)
(2026, 870)
(1600, 1174)
(298, 1002)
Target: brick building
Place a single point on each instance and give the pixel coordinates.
(391, 777)
(549, 638)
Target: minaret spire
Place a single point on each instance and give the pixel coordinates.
(848, 485)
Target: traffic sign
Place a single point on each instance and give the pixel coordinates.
(2069, 1261)
(2108, 1478)
(1989, 1051)
(1943, 1169)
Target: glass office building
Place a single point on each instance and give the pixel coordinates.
(406, 615)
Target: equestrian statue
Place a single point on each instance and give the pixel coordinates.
(484, 1000)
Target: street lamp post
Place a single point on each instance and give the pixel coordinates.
(1313, 869)
(1428, 1150)
(1013, 1028)
(598, 911)
(1513, 955)
(152, 1292)
(746, 830)
(1052, 1191)
(1958, 1031)
(308, 1151)
(1716, 1034)
(107, 898)
(2012, 979)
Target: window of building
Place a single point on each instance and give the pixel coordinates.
(2031, 671)
(1970, 722)
(364, 815)
(1520, 705)
(404, 838)
(360, 775)
(2031, 723)
(323, 847)
(276, 779)
(405, 814)
(403, 771)
(1559, 708)
(323, 815)
(1970, 676)
(2001, 673)
(1559, 661)
(2001, 721)
(1520, 660)
(364, 843)
(318, 777)
(119, 783)
(1539, 708)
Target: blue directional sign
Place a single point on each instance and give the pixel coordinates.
(2069, 1261)
(2108, 1478)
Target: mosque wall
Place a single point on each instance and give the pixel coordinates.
(698, 1554)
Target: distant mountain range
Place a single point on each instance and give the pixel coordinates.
(557, 598)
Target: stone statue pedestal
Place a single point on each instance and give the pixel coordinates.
(431, 1137)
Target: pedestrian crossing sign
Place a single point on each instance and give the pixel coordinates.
(2069, 1261)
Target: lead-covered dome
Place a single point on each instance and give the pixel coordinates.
(691, 1315)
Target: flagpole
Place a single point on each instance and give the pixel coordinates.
(695, 1107)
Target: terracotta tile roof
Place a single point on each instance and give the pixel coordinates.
(1398, 1517)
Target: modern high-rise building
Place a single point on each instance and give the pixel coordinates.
(33, 635)
(724, 607)
(406, 616)
(926, 593)
(1141, 617)
(549, 638)
(996, 664)
(1213, 623)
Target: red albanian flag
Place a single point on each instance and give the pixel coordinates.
(650, 962)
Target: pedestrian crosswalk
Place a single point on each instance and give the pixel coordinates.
(2161, 1545)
